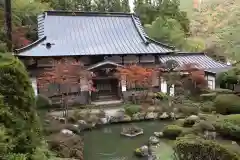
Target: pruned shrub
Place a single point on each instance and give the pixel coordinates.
(207, 108)
(227, 104)
(208, 96)
(203, 126)
(233, 118)
(172, 131)
(132, 109)
(228, 127)
(195, 148)
(188, 110)
(43, 102)
(223, 91)
(66, 146)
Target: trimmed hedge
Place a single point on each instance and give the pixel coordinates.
(172, 131)
(227, 104)
(195, 148)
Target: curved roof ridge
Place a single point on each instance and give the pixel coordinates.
(161, 43)
(30, 45)
(139, 31)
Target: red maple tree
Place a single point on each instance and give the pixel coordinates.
(195, 74)
(68, 76)
(138, 78)
(19, 37)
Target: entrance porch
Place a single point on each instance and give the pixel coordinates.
(105, 81)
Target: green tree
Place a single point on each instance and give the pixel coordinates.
(170, 31)
(17, 108)
(125, 6)
(148, 11)
(111, 5)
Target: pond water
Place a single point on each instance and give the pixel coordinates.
(107, 143)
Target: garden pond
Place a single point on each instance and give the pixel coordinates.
(106, 143)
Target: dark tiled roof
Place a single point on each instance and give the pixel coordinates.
(91, 33)
(200, 59)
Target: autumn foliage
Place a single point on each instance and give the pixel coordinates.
(196, 75)
(68, 75)
(19, 37)
(137, 76)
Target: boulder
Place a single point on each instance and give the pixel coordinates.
(164, 116)
(151, 115)
(67, 132)
(172, 116)
(81, 122)
(153, 140)
(151, 109)
(138, 116)
(76, 126)
(158, 134)
(193, 118)
(126, 118)
(114, 119)
(103, 120)
(142, 151)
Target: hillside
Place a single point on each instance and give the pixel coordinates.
(218, 24)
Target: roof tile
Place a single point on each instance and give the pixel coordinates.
(93, 34)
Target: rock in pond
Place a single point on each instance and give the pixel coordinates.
(164, 116)
(153, 140)
(158, 134)
(151, 115)
(142, 151)
(132, 131)
(103, 120)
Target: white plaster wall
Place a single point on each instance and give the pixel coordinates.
(34, 85)
(211, 80)
(163, 85)
(123, 83)
(84, 84)
(172, 90)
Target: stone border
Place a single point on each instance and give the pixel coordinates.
(132, 135)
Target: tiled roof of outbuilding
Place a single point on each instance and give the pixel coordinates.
(201, 60)
(91, 33)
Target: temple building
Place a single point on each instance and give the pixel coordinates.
(102, 42)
